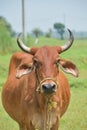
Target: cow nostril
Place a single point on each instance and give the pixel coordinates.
(45, 86)
(53, 86)
(49, 87)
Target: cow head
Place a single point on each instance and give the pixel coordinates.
(46, 62)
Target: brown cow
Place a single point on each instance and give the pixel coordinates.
(36, 93)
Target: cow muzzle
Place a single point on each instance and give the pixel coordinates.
(47, 86)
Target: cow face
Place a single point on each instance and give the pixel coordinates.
(46, 61)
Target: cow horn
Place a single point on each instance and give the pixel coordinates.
(69, 43)
(22, 45)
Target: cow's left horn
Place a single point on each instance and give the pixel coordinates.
(69, 43)
(22, 46)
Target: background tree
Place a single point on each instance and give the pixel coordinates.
(5, 24)
(49, 33)
(60, 29)
(37, 32)
(6, 33)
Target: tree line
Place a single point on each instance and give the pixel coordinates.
(59, 27)
(7, 34)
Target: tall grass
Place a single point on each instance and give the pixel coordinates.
(76, 118)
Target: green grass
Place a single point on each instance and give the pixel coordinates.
(4, 65)
(76, 116)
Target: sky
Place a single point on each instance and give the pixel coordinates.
(44, 13)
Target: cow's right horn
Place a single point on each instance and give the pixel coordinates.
(22, 45)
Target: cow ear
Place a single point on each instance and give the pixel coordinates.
(23, 70)
(69, 67)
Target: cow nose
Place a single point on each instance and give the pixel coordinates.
(49, 88)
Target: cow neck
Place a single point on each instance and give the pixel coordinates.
(50, 105)
(46, 105)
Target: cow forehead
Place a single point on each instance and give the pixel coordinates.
(47, 52)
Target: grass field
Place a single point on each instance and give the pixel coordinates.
(76, 116)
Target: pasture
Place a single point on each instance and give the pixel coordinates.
(76, 116)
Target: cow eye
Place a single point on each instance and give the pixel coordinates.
(57, 62)
(36, 63)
